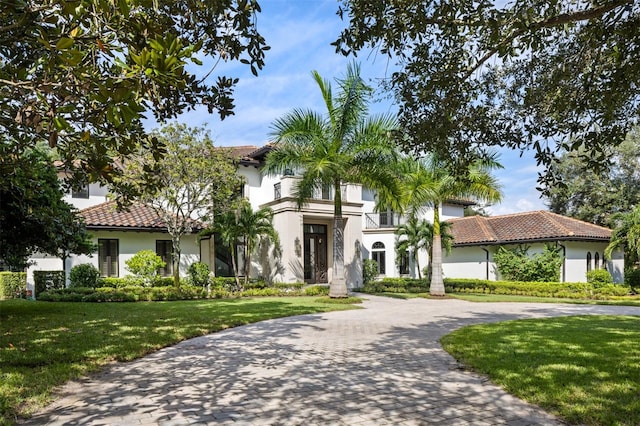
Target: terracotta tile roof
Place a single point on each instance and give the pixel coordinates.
(137, 217)
(524, 227)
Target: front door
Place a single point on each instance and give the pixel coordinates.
(315, 254)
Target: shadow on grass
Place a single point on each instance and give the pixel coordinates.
(382, 364)
(42, 344)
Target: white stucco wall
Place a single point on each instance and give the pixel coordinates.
(97, 195)
(129, 243)
(470, 262)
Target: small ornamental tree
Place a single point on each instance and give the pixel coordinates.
(145, 264)
(195, 180)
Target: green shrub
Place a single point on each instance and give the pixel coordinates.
(199, 274)
(369, 271)
(145, 264)
(599, 277)
(48, 280)
(316, 290)
(517, 265)
(537, 289)
(12, 284)
(632, 279)
(84, 275)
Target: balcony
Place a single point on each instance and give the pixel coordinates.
(383, 220)
(286, 187)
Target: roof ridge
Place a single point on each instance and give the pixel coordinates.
(554, 219)
(573, 219)
(487, 229)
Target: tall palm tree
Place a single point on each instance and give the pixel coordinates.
(342, 145)
(429, 182)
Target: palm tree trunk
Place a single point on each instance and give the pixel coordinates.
(437, 283)
(418, 264)
(247, 261)
(338, 285)
(234, 265)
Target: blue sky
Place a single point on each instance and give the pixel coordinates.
(299, 33)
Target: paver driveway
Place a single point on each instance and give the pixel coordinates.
(378, 365)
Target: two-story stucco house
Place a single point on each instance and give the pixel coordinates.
(306, 235)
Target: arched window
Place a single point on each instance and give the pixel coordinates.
(378, 254)
(596, 261)
(588, 261)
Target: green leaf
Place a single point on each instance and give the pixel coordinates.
(64, 43)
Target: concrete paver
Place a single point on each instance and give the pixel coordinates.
(374, 366)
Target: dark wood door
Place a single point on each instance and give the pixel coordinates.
(315, 254)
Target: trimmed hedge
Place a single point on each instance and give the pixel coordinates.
(133, 281)
(397, 285)
(12, 284)
(538, 289)
(137, 293)
(48, 280)
(520, 288)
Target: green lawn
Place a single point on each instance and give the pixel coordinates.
(621, 301)
(43, 345)
(585, 369)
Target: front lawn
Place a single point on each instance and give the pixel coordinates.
(585, 369)
(620, 300)
(43, 345)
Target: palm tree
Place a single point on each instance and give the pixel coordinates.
(255, 226)
(429, 182)
(343, 145)
(412, 237)
(249, 228)
(627, 234)
(419, 235)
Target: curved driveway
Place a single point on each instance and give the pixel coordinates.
(374, 366)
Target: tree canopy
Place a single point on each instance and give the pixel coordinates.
(551, 75)
(598, 195)
(82, 74)
(33, 215)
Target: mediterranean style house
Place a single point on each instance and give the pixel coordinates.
(306, 235)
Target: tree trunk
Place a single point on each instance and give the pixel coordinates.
(338, 285)
(247, 262)
(175, 260)
(418, 265)
(234, 265)
(437, 283)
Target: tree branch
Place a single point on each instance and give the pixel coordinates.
(564, 18)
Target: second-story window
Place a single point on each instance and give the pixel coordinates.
(277, 191)
(81, 192)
